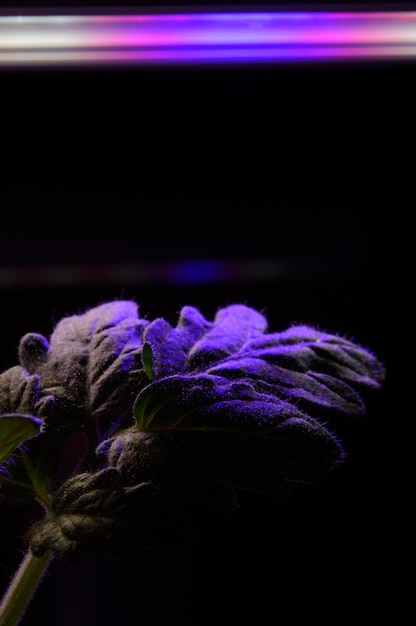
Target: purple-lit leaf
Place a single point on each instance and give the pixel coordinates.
(133, 409)
(15, 429)
(233, 327)
(206, 402)
(301, 366)
(91, 366)
(232, 433)
(165, 349)
(84, 379)
(240, 398)
(315, 369)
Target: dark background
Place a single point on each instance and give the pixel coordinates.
(298, 181)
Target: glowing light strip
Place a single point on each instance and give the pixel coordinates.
(197, 271)
(31, 40)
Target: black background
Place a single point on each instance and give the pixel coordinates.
(306, 167)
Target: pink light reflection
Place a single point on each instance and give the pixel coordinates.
(205, 37)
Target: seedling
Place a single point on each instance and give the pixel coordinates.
(114, 417)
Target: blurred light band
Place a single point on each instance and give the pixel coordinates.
(186, 38)
(198, 271)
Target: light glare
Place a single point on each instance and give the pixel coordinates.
(205, 37)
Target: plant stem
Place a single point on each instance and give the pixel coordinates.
(23, 587)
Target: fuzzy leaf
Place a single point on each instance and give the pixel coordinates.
(308, 366)
(247, 409)
(214, 465)
(233, 327)
(83, 380)
(224, 427)
(87, 374)
(93, 366)
(95, 512)
(203, 409)
(196, 342)
(207, 402)
(317, 371)
(167, 348)
(19, 391)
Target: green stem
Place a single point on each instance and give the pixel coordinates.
(23, 587)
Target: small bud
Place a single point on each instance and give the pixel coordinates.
(33, 349)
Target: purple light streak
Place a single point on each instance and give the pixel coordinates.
(257, 37)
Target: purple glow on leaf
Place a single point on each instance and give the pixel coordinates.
(116, 413)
